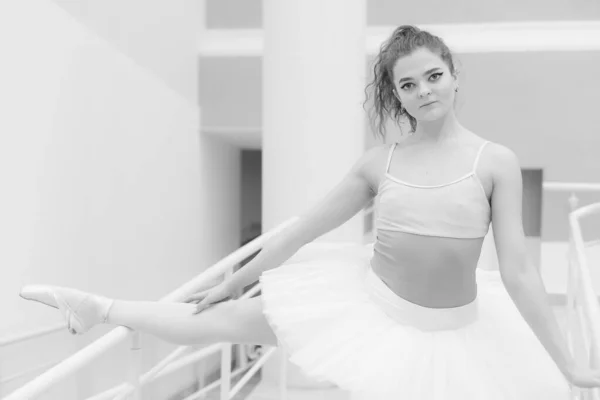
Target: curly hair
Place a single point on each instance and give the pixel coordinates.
(404, 40)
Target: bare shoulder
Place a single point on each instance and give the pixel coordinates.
(504, 161)
(375, 153)
(501, 152)
(372, 164)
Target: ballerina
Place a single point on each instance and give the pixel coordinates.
(410, 317)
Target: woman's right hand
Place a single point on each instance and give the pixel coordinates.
(209, 297)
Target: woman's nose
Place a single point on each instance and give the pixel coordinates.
(424, 91)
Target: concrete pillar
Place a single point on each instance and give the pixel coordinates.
(314, 70)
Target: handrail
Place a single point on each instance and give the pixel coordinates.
(582, 307)
(571, 186)
(168, 366)
(86, 355)
(583, 212)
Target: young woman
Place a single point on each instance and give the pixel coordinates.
(411, 317)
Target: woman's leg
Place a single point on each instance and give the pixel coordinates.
(235, 321)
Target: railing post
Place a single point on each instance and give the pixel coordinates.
(200, 372)
(573, 201)
(593, 364)
(226, 354)
(225, 371)
(135, 366)
(572, 280)
(570, 309)
(242, 357)
(283, 375)
(572, 303)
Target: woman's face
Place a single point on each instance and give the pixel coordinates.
(424, 85)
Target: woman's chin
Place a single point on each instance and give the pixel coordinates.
(433, 114)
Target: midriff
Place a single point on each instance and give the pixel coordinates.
(431, 271)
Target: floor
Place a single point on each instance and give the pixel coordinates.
(262, 392)
(255, 390)
(243, 394)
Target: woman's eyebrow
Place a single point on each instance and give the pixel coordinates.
(426, 72)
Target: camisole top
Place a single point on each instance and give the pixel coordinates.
(458, 209)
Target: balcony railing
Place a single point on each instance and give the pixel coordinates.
(137, 379)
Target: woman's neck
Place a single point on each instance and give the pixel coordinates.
(442, 130)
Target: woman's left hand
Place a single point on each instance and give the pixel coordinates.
(217, 294)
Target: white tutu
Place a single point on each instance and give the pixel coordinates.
(340, 323)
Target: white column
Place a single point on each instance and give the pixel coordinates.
(314, 69)
(314, 74)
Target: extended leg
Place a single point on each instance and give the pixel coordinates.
(236, 321)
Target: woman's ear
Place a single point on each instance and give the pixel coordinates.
(457, 68)
(456, 80)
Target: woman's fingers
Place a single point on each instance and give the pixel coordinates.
(194, 298)
(207, 303)
(201, 307)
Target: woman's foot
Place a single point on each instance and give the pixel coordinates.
(81, 310)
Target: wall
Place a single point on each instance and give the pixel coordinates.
(543, 106)
(108, 185)
(227, 14)
(158, 36)
(390, 12)
(231, 91)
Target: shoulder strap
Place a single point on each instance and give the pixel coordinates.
(389, 160)
(479, 155)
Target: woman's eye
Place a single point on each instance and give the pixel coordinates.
(435, 77)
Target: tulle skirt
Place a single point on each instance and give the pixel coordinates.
(340, 323)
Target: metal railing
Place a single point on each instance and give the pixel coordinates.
(132, 388)
(583, 311)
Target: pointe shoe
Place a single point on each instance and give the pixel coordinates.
(81, 310)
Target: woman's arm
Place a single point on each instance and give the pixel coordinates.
(350, 196)
(522, 280)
